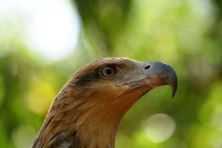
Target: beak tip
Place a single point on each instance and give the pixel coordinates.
(174, 89)
(173, 82)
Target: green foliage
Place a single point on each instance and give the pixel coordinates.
(184, 34)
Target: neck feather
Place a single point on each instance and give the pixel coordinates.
(84, 120)
(73, 121)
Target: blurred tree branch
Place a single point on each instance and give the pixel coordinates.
(103, 20)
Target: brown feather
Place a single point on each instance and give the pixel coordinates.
(87, 111)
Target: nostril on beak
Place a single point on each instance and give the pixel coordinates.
(147, 67)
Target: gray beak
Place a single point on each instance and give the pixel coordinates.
(159, 74)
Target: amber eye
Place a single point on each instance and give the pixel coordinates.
(108, 71)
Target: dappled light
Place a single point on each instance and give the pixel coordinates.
(23, 136)
(42, 43)
(159, 127)
(40, 96)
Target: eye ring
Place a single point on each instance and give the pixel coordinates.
(107, 71)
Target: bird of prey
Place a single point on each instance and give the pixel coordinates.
(87, 111)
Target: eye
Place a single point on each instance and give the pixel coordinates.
(108, 71)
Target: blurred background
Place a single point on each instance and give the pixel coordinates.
(43, 42)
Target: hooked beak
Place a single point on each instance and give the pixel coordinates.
(156, 74)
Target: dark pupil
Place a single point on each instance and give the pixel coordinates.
(108, 71)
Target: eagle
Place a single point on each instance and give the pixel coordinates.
(87, 111)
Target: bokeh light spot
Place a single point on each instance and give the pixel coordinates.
(40, 97)
(23, 136)
(53, 29)
(159, 127)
